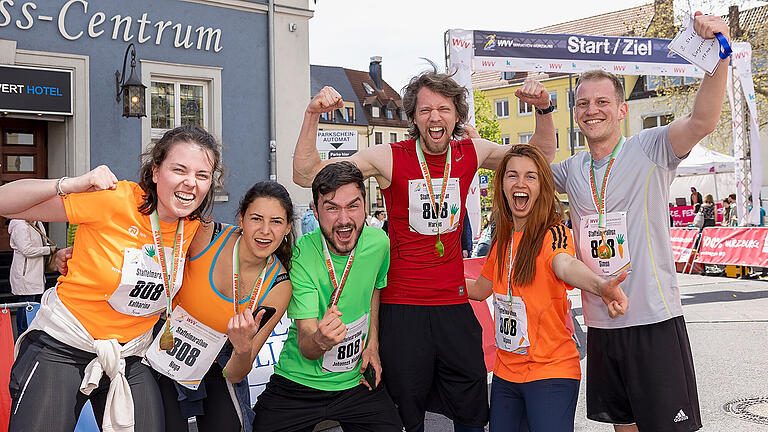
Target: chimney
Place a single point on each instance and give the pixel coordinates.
(374, 70)
(733, 22)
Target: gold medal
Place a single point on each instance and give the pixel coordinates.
(603, 250)
(166, 339)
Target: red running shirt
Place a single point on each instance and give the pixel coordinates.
(417, 275)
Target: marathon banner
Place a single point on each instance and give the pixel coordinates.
(682, 243)
(682, 216)
(739, 246)
(570, 53)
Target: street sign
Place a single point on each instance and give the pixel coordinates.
(336, 143)
(483, 181)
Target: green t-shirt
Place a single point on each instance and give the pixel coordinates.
(312, 290)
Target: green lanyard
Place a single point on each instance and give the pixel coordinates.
(598, 198)
(439, 248)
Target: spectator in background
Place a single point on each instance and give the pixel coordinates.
(708, 210)
(377, 220)
(698, 218)
(466, 237)
(727, 210)
(567, 219)
(762, 213)
(484, 244)
(309, 220)
(27, 275)
(695, 197)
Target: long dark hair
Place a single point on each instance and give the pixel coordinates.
(155, 156)
(270, 189)
(546, 212)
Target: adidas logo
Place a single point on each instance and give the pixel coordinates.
(680, 416)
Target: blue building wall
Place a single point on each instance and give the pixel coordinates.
(115, 140)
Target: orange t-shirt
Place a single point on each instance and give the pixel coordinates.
(202, 299)
(553, 352)
(108, 222)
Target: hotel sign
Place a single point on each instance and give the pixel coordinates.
(35, 90)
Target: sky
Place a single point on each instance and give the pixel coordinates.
(348, 33)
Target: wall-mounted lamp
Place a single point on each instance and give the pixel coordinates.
(133, 91)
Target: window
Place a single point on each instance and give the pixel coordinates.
(502, 108)
(375, 111)
(349, 115)
(523, 109)
(393, 137)
(524, 138)
(652, 82)
(507, 75)
(176, 103)
(580, 141)
(378, 138)
(368, 88)
(553, 99)
(379, 198)
(403, 116)
(660, 120)
(390, 114)
(505, 140)
(327, 116)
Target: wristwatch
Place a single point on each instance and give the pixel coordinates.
(545, 110)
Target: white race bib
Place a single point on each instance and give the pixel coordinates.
(195, 347)
(615, 239)
(421, 215)
(344, 356)
(141, 291)
(511, 324)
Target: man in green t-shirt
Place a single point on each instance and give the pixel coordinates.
(336, 273)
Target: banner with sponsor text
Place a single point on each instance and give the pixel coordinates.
(682, 216)
(682, 243)
(735, 246)
(570, 53)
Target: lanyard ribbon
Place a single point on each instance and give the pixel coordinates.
(337, 285)
(439, 249)
(168, 278)
(599, 198)
(510, 262)
(236, 280)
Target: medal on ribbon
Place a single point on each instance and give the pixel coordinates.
(169, 278)
(598, 198)
(436, 206)
(236, 280)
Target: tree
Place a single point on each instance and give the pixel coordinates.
(487, 125)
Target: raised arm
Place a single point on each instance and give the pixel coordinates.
(532, 92)
(685, 132)
(575, 273)
(372, 161)
(38, 199)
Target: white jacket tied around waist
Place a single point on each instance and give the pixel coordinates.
(55, 319)
(29, 252)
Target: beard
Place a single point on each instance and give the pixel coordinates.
(338, 247)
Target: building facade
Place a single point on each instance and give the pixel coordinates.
(204, 62)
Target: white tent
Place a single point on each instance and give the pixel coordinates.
(708, 171)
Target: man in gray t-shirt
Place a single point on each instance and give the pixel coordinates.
(639, 365)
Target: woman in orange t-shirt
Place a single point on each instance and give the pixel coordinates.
(530, 266)
(127, 261)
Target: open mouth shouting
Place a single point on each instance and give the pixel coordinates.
(436, 132)
(262, 243)
(344, 234)
(520, 201)
(185, 198)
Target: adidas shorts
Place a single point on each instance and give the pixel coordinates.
(643, 375)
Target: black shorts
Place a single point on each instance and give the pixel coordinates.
(285, 405)
(432, 360)
(643, 375)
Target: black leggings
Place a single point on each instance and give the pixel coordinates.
(45, 382)
(220, 416)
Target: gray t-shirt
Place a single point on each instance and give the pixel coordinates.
(638, 184)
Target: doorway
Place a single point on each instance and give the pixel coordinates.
(23, 154)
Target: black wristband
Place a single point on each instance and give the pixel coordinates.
(547, 110)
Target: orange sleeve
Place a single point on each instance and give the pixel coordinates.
(558, 239)
(489, 268)
(91, 207)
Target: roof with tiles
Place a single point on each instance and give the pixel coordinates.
(385, 98)
(626, 22)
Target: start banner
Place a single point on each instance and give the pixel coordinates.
(735, 246)
(682, 243)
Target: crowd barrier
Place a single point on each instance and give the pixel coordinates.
(738, 246)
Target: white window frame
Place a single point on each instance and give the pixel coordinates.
(208, 76)
(553, 96)
(375, 111)
(575, 137)
(157, 133)
(393, 137)
(658, 118)
(524, 138)
(504, 104)
(505, 140)
(520, 108)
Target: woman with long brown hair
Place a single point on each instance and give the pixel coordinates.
(530, 267)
